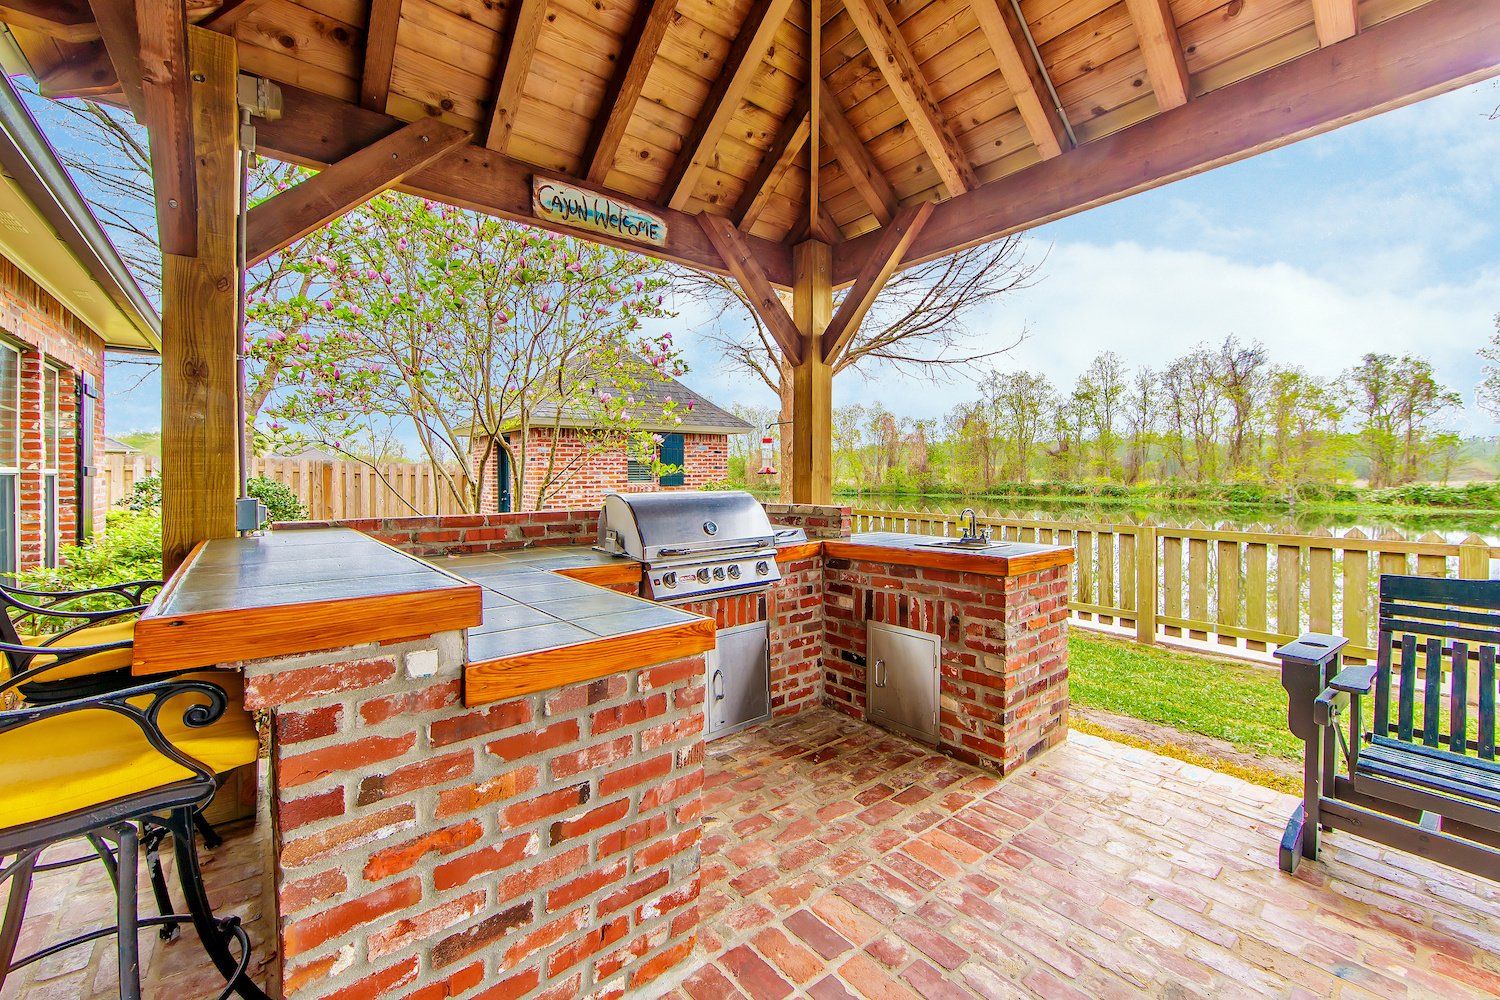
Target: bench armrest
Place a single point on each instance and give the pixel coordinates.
(1312, 648)
(1355, 680)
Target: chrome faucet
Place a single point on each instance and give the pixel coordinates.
(971, 530)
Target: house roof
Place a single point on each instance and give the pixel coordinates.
(48, 230)
(114, 446)
(705, 417)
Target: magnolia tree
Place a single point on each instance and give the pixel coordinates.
(465, 328)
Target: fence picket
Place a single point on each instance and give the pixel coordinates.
(1320, 585)
(1356, 593)
(1197, 581)
(1229, 572)
(1255, 591)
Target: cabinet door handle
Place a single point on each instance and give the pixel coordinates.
(716, 685)
(881, 674)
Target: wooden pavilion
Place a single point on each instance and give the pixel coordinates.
(808, 145)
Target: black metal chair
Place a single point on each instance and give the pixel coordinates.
(99, 644)
(112, 768)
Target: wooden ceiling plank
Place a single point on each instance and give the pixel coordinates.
(636, 58)
(1335, 20)
(1436, 48)
(893, 56)
(230, 13)
(531, 15)
(64, 20)
(116, 21)
(728, 90)
(762, 297)
(169, 122)
(380, 54)
(1162, 51)
(847, 147)
(890, 246)
(1026, 78)
(792, 138)
(344, 186)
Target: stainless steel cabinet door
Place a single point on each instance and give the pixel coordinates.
(739, 679)
(901, 671)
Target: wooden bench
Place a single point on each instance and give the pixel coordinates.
(1420, 774)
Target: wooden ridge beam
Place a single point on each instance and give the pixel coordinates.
(531, 15)
(790, 140)
(64, 20)
(1161, 50)
(1441, 46)
(1026, 78)
(888, 48)
(380, 54)
(636, 57)
(724, 97)
(814, 192)
(1335, 20)
(746, 270)
(166, 99)
(344, 186)
(868, 179)
(882, 261)
(316, 130)
(116, 24)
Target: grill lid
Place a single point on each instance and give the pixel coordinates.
(653, 526)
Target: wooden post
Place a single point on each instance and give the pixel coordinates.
(812, 378)
(200, 320)
(1145, 583)
(1473, 559)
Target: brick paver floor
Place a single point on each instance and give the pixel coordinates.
(840, 861)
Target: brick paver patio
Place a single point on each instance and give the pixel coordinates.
(840, 861)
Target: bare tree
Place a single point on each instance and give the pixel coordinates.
(916, 326)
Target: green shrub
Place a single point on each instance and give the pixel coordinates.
(129, 549)
(281, 503)
(144, 495)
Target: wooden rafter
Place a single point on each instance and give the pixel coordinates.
(169, 122)
(858, 164)
(531, 15)
(1025, 77)
(316, 130)
(746, 270)
(733, 82)
(1441, 46)
(1161, 50)
(230, 13)
(1335, 20)
(884, 258)
(790, 140)
(344, 186)
(888, 48)
(380, 54)
(64, 20)
(636, 57)
(116, 24)
(814, 193)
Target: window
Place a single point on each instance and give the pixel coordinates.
(10, 455)
(672, 454)
(637, 471)
(51, 460)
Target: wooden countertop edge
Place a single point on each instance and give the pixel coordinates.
(958, 562)
(603, 575)
(799, 550)
(487, 681)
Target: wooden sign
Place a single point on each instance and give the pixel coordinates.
(570, 206)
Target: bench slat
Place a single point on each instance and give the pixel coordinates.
(1408, 692)
(1487, 702)
(1433, 694)
(1458, 699)
(1437, 754)
(1383, 685)
(1450, 778)
(1440, 615)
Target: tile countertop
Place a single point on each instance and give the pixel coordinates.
(1005, 559)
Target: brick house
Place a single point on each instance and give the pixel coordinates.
(66, 297)
(698, 447)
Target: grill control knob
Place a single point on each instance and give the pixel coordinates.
(762, 568)
(703, 575)
(718, 572)
(669, 580)
(734, 572)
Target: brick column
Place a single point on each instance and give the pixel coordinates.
(543, 846)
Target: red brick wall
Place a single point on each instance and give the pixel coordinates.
(816, 520)
(47, 333)
(705, 460)
(542, 846)
(464, 534)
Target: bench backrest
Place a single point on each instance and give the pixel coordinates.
(1443, 626)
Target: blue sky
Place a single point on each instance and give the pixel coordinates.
(1383, 235)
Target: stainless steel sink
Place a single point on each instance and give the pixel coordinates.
(968, 545)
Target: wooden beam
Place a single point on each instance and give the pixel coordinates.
(814, 193)
(64, 20)
(229, 14)
(1161, 50)
(168, 105)
(790, 140)
(380, 54)
(729, 88)
(1441, 46)
(741, 262)
(636, 57)
(90, 76)
(1026, 78)
(115, 21)
(531, 15)
(812, 377)
(1335, 20)
(881, 263)
(343, 187)
(315, 130)
(868, 179)
(200, 317)
(890, 52)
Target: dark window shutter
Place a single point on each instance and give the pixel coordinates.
(672, 454)
(88, 405)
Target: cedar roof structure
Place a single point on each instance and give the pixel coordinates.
(802, 144)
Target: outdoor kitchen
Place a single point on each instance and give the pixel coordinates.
(493, 718)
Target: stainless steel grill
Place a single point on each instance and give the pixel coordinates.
(694, 545)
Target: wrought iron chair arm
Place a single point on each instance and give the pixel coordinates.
(93, 618)
(132, 590)
(62, 656)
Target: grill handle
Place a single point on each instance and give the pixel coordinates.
(726, 550)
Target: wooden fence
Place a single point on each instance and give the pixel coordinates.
(329, 489)
(1247, 589)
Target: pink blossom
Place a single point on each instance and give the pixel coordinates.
(690, 405)
(575, 267)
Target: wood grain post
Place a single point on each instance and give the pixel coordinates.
(1473, 559)
(1145, 583)
(812, 378)
(200, 320)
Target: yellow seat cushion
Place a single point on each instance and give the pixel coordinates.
(90, 757)
(94, 635)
